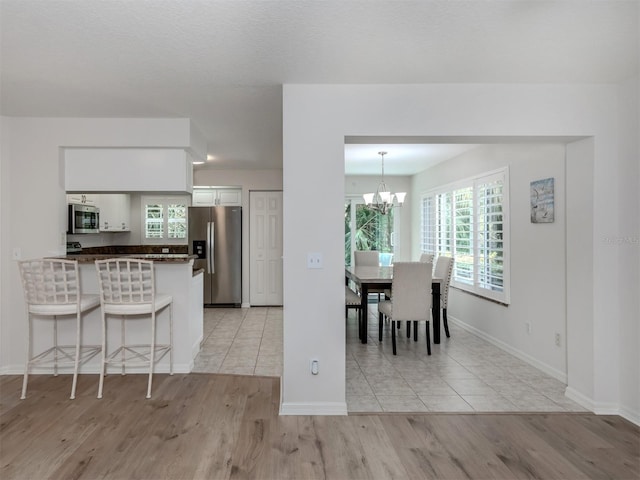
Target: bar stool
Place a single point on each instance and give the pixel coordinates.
(51, 289)
(127, 289)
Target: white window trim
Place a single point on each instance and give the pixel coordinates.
(503, 296)
(163, 200)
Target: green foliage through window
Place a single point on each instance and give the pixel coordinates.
(373, 231)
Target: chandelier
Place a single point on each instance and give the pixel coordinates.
(382, 200)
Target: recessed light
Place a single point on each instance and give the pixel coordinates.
(197, 163)
(210, 157)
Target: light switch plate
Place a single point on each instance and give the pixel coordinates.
(314, 260)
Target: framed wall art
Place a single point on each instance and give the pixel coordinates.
(542, 201)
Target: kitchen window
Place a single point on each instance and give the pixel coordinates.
(164, 219)
(469, 220)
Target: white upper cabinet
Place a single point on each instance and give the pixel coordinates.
(207, 197)
(115, 212)
(128, 170)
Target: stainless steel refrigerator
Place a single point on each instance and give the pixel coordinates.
(215, 236)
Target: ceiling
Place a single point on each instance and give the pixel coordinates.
(223, 63)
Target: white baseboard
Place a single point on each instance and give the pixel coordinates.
(599, 408)
(313, 408)
(603, 408)
(245, 305)
(631, 415)
(580, 399)
(549, 370)
(195, 349)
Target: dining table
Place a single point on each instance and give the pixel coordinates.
(377, 278)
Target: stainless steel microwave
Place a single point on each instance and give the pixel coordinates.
(83, 219)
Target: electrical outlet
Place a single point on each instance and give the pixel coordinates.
(314, 260)
(17, 254)
(558, 339)
(315, 367)
(528, 326)
(165, 250)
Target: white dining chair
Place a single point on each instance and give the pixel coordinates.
(411, 300)
(127, 290)
(352, 300)
(426, 258)
(444, 270)
(52, 290)
(368, 258)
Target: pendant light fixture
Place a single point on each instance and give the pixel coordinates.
(382, 200)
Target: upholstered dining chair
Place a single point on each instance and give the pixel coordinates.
(127, 290)
(411, 300)
(444, 270)
(352, 300)
(51, 290)
(368, 258)
(427, 257)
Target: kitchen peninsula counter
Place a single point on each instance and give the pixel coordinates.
(174, 275)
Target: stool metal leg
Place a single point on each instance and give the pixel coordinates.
(55, 346)
(122, 343)
(104, 353)
(28, 359)
(171, 338)
(152, 352)
(77, 359)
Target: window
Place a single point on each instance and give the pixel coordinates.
(469, 221)
(165, 219)
(366, 229)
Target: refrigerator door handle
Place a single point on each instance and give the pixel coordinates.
(211, 267)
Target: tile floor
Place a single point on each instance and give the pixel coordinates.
(464, 373)
(245, 341)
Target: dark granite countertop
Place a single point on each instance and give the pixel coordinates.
(156, 257)
(157, 253)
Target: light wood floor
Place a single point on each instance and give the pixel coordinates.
(206, 426)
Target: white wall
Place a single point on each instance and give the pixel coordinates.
(5, 204)
(34, 213)
(249, 180)
(360, 184)
(537, 256)
(626, 242)
(316, 120)
(580, 246)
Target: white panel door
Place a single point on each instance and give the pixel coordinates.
(265, 249)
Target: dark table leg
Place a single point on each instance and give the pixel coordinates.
(364, 291)
(435, 309)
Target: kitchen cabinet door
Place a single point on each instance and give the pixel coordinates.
(115, 212)
(203, 198)
(229, 197)
(211, 197)
(83, 198)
